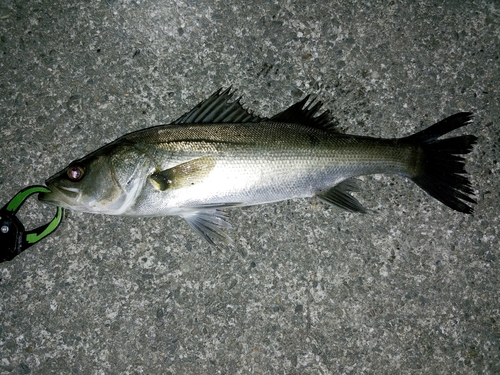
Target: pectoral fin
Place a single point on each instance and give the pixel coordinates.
(339, 196)
(183, 175)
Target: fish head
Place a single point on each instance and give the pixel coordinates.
(106, 181)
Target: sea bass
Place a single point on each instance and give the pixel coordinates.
(219, 155)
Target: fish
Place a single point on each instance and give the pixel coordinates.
(220, 155)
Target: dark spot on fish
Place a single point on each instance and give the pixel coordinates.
(137, 53)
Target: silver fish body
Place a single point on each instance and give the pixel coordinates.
(218, 155)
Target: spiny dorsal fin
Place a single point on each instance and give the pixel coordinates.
(218, 109)
(303, 113)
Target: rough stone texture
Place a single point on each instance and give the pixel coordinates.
(307, 289)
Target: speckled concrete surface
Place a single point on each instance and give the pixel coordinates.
(307, 289)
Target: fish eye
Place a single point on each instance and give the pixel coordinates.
(75, 172)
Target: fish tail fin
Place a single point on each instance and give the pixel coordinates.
(438, 168)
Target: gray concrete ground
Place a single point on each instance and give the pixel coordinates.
(307, 289)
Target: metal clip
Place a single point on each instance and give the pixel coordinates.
(14, 239)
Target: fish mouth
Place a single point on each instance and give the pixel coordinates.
(60, 196)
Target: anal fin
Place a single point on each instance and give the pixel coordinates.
(339, 196)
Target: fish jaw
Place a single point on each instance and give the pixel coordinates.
(59, 196)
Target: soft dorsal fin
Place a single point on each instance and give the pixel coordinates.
(303, 113)
(218, 109)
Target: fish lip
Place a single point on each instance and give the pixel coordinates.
(59, 195)
(47, 198)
